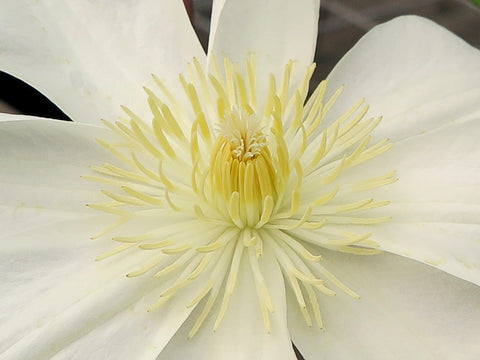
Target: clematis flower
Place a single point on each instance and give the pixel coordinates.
(228, 212)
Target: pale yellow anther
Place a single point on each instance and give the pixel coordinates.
(158, 244)
(146, 268)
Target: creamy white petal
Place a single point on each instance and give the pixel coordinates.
(15, 117)
(62, 304)
(435, 204)
(91, 57)
(275, 31)
(242, 334)
(217, 7)
(439, 166)
(414, 73)
(407, 310)
(42, 161)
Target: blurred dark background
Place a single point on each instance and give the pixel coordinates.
(342, 23)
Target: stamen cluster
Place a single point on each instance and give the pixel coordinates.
(205, 203)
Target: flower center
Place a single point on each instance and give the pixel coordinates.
(273, 177)
(241, 130)
(241, 171)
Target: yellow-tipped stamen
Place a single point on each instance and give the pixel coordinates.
(114, 251)
(223, 176)
(266, 304)
(218, 274)
(231, 282)
(146, 268)
(200, 267)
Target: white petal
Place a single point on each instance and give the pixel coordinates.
(242, 334)
(414, 73)
(217, 7)
(407, 311)
(61, 304)
(91, 57)
(42, 161)
(57, 302)
(275, 31)
(15, 117)
(435, 204)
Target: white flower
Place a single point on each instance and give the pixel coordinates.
(214, 193)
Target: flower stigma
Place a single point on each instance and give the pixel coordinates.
(218, 176)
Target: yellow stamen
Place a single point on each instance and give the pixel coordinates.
(231, 171)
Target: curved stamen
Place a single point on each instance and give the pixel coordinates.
(222, 175)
